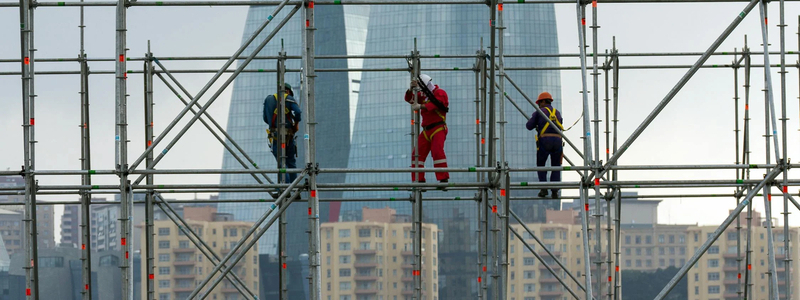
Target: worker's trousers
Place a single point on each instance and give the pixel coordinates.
(550, 147)
(291, 156)
(431, 141)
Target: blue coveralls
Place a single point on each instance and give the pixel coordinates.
(270, 104)
(547, 146)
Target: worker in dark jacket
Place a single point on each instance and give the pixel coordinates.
(433, 106)
(548, 140)
(272, 118)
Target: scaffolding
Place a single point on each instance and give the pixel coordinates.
(599, 180)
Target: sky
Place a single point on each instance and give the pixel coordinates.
(697, 127)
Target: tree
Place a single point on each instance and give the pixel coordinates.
(646, 285)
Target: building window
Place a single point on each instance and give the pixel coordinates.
(732, 236)
(671, 239)
(713, 263)
(164, 284)
(163, 231)
(528, 261)
(696, 276)
(530, 288)
(163, 257)
(661, 262)
(649, 251)
(627, 262)
(648, 263)
(682, 239)
(713, 250)
(343, 233)
(638, 251)
(363, 246)
(364, 232)
(660, 238)
(530, 274)
(344, 286)
(163, 244)
(185, 244)
(329, 276)
(163, 296)
(233, 232)
(627, 251)
(713, 276)
(51, 262)
(328, 246)
(672, 250)
(627, 239)
(549, 234)
(344, 259)
(344, 246)
(697, 290)
(163, 270)
(648, 239)
(638, 239)
(344, 272)
(107, 261)
(639, 263)
(661, 250)
(713, 289)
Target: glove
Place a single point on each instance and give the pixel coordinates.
(416, 106)
(413, 84)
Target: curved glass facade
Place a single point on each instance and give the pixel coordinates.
(381, 135)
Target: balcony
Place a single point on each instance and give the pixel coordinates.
(408, 266)
(727, 268)
(408, 279)
(184, 250)
(184, 263)
(548, 280)
(365, 264)
(550, 293)
(365, 278)
(553, 266)
(407, 253)
(366, 291)
(556, 253)
(731, 281)
(410, 291)
(178, 289)
(229, 289)
(730, 296)
(365, 252)
(184, 276)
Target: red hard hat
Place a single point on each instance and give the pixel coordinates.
(544, 96)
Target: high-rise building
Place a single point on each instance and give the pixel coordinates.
(373, 258)
(340, 30)
(105, 225)
(179, 265)
(12, 231)
(45, 216)
(70, 226)
(381, 131)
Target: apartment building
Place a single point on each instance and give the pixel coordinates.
(373, 259)
(180, 266)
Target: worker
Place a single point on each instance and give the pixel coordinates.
(271, 117)
(433, 105)
(548, 140)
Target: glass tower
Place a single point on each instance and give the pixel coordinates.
(381, 136)
(340, 31)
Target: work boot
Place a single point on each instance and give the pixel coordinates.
(442, 188)
(554, 195)
(542, 193)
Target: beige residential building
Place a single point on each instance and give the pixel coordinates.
(373, 259)
(529, 279)
(180, 266)
(716, 275)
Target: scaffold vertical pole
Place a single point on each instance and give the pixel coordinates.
(282, 151)
(416, 205)
(609, 191)
(310, 76)
(484, 196)
(748, 284)
(149, 105)
(122, 149)
(505, 180)
(598, 211)
(784, 160)
(769, 117)
(617, 191)
(587, 149)
(86, 197)
(86, 165)
(480, 68)
(739, 172)
(29, 242)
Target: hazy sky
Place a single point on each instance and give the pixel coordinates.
(696, 128)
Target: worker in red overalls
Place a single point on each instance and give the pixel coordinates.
(433, 106)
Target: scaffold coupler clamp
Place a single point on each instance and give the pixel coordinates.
(22, 171)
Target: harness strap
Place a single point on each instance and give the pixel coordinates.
(553, 118)
(430, 137)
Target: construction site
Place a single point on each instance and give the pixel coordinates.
(483, 234)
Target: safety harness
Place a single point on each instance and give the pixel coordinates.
(434, 125)
(271, 131)
(553, 118)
